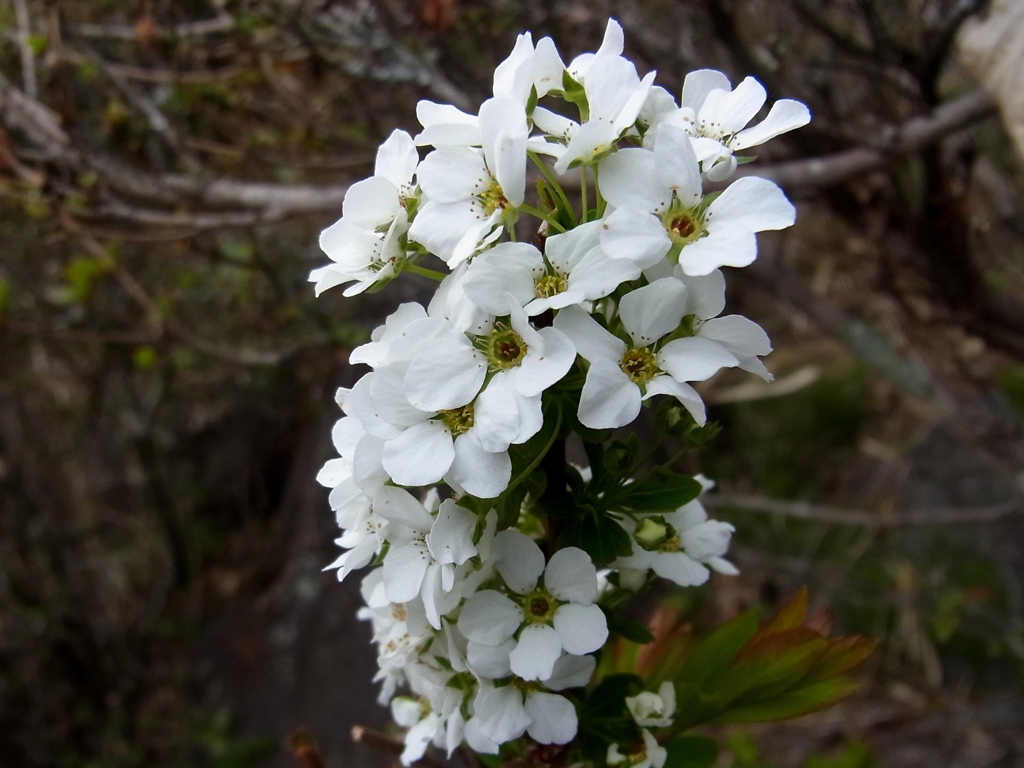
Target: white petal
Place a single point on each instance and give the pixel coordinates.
(489, 618)
(500, 713)
(448, 375)
(738, 334)
(639, 237)
(694, 359)
(333, 472)
(503, 132)
(708, 539)
(583, 628)
(785, 115)
(450, 174)
(404, 568)
(705, 294)
(540, 369)
(596, 275)
(490, 660)
(626, 181)
(397, 505)
(588, 142)
(520, 561)
(653, 311)
(397, 158)
(370, 203)
(699, 84)
(684, 393)
(728, 111)
(552, 718)
(571, 672)
(477, 471)
(680, 568)
(451, 537)
(609, 399)
(506, 269)
(444, 124)
(752, 204)
(420, 455)
(592, 341)
(571, 576)
(535, 655)
(732, 247)
(496, 415)
(676, 167)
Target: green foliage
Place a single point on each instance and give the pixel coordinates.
(691, 752)
(743, 672)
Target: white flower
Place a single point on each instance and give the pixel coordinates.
(546, 616)
(715, 115)
(424, 551)
(679, 546)
(572, 269)
(502, 714)
(470, 191)
(529, 68)
(653, 709)
(367, 243)
(650, 755)
(659, 212)
(615, 95)
(622, 375)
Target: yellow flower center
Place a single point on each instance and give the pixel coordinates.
(640, 365)
(550, 285)
(458, 420)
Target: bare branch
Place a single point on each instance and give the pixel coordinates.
(822, 513)
(28, 65)
(914, 135)
(222, 23)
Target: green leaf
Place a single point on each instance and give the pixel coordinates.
(793, 703)
(664, 491)
(691, 752)
(720, 648)
(774, 663)
(843, 654)
(573, 92)
(599, 535)
(531, 102)
(789, 616)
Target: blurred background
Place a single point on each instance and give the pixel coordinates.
(167, 378)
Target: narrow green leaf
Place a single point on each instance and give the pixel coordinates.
(790, 615)
(663, 492)
(792, 703)
(842, 655)
(721, 646)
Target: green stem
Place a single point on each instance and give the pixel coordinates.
(583, 192)
(416, 269)
(542, 216)
(553, 181)
(600, 203)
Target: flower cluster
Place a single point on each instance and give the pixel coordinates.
(487, 608)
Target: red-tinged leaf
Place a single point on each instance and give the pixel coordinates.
(821, 621)
(794, 703)
(843, 654)
(789, 616)
(774, 664)
(714, 654)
